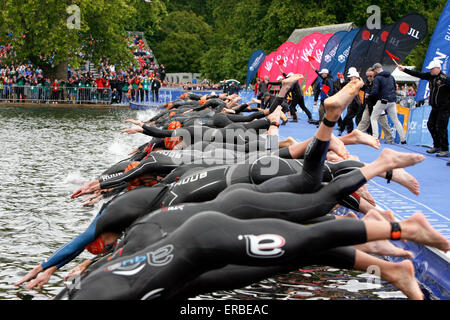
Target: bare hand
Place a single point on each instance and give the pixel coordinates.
(86, 189)
(133, 152)
(30, 275)
(78, 270)
(132, 130)
(91, 200)
(401, 68)
(136, 122)
(42, 279)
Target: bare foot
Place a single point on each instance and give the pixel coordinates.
(353, 157)
(287, 142)
(405, 179)
(364, 138)
(338, 147)
(337, 103)
(275, 115)
(418, 229)
(333, 157)
(288, 82)
(400, 159)
(384, 248)
(365, 194)
(388, 215)
(402, 277)
(350, 215)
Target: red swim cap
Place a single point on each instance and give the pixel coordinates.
(174, 125)
(96, 247)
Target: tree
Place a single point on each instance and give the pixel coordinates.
(39, 31)
(185, 38)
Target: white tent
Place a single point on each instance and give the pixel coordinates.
(400, 76)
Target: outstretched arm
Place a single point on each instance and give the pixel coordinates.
(63, 255)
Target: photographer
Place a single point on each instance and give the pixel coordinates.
(440, 105)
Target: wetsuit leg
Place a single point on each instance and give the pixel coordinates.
(241, 118)
(309, 180)
(243, 202)
(221, 120)
(301, 103)
(209, 241)
(233, 276)
(275, 103)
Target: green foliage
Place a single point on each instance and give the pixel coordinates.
(214, 37)
(240, 27)
(40, 29)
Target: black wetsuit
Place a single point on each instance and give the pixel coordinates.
(245, 202)
(210, 241)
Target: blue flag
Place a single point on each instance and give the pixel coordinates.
(338, 63)
(331, 48)
(255, 61)
(439, 49)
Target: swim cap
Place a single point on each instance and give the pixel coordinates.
(96, 247)
(174, 125)
(171, 142)
(202, 101)
(171, 114)
(184, 95)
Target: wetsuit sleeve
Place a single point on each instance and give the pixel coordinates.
(73, 248)
(155, 132)
(149, 165)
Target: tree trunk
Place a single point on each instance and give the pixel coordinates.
(59, 72)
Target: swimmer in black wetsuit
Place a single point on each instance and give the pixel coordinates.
(121, 220)
(211, 240)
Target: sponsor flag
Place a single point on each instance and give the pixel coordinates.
(255, 61)
(375, 52)
(406, 34)
(359, 48)
(439, 49)
(306, 50)
(331, 47)
(339, 61)
(315, 59)
(266, 66)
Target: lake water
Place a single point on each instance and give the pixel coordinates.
(47, 153)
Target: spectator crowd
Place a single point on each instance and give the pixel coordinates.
(28, 83)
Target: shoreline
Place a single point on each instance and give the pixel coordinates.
(63, 105)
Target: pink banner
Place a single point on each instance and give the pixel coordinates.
(306, 49)
(316, 59)
(267, 66)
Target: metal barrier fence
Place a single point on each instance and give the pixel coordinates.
(43, 94)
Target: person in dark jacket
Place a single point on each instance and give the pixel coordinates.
(297, 99)
(364, 124)
(353, 107)
(156, 84)
(325, 89)
(383, 91)
(440, 105)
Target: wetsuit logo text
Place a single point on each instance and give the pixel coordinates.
(157, 258)
(264, 245)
